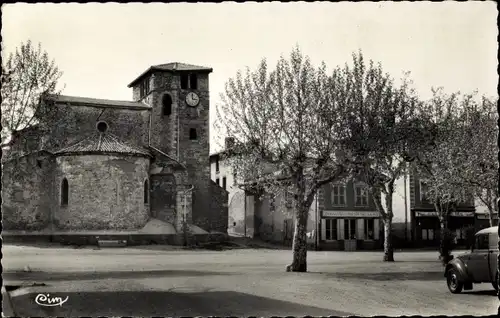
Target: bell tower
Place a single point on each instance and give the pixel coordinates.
(179, 96)
(179, 124)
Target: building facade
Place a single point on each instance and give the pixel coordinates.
(424, 219)
(349, 220)
(95, 164)
(342, 215)
(222, 174)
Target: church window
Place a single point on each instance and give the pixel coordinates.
(146, 192)
(224, 182)
(193, 81)
(102, 126)
(184, 81)
(64, 192)
(167, 105)
(192, 134)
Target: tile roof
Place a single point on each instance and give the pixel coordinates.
(102, 143)
(85, 101)
(172, 67)
(176, 66)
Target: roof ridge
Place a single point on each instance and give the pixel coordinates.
(98, 102)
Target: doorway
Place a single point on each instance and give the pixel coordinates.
(350, 242)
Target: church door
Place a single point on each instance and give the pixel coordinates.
(163, 197)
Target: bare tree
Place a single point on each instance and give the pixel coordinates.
(27, 75)
(287, 126)
(382, 123)
(443, 163)
(475, 138)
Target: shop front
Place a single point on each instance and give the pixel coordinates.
(427, 229)
(350, 230)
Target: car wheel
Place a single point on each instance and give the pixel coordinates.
(453, 281)
(495, 283)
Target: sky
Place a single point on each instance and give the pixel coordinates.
(101, 48)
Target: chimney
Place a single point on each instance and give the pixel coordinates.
(229, 141)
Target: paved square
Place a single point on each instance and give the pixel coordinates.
(135, 281)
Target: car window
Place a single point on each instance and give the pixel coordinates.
(493, 241)
(481, 242)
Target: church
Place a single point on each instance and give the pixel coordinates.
(94, 164)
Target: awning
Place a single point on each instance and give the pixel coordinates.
(454, 214)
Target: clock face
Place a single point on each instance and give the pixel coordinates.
(192, 99)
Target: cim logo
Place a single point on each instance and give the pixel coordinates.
(46, 300)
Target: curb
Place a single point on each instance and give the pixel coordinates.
(7, 308)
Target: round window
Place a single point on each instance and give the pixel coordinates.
(102, 126)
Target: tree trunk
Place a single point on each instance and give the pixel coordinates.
(386, 213)
(445, 242)
(492, 220)
(388, 249)
(497, 208)
(442, 227)
(493, 210)
(299, 246)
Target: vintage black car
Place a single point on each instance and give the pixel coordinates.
(477, 266)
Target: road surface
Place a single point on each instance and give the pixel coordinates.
(242, 282)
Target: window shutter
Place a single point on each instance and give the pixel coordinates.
(376, 229)
(323, 229)
(340, 233)
(361, 229)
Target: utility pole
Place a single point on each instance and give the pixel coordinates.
(317, 221)
(184, 223)
(406, 206)
(245, 213)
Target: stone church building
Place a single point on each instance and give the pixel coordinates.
(94, 164)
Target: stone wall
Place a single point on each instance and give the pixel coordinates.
(214, 217)
(178, 202)
(105, 192)
(174, 141)
(164, 197)
(73, 122)
(184, 207)
(236, 213)
(163, 127)
(25, 141)
(27, 193)
(275, 218)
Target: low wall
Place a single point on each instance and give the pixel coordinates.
(132, 239)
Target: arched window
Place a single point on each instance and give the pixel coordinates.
(192, 134)
(167, 105)
(64, 192)
(146, 191)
